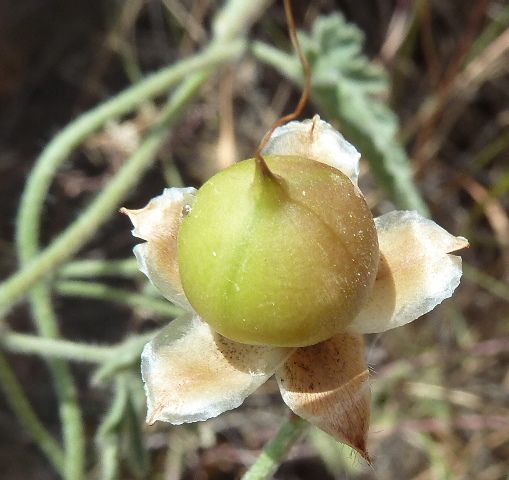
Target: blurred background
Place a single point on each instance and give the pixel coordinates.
(420, 86)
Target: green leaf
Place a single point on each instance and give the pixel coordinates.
(348, 87)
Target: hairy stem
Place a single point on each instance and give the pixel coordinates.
(36, 265)
(73, 134)
(75, 236)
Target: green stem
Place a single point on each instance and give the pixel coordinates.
(100, 268)
(27, 242)
(56, 348)
(75, 351)
(107, 440)
(276, 450)
(36, 265)
(69, 409)
(75, 236)
(73, 134)
(100, 291)
(109, 449)
(276, 58)
(68, 243)
(18, 402)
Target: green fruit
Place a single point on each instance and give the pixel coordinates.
(283, 260)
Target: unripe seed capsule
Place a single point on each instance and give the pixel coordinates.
(284, 261)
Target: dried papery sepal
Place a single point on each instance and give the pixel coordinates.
(280, 266)
(254, 233)
(317, 140)
(416, 271)
(159, 223)
(192, 373)
(328, 385)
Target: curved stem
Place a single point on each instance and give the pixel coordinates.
(275, 451)
(306, 75)
(73, 134)
(393, 171)
(36, 265)
(261, 165)
(69, 409)
(73, 238)
(43, 314)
